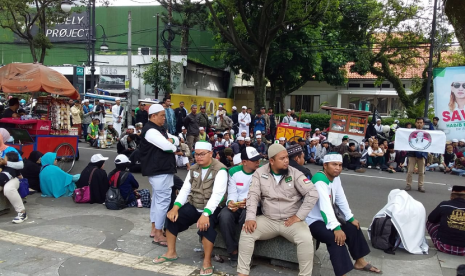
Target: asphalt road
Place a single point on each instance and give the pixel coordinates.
(367, 193)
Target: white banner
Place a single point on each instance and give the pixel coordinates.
(410, 139)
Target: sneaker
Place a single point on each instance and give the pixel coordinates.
(233, 260)
(408, 188)
(421, 189)
(369, 167)
(360, 170)
(20, 218)
(378, 168)
(139, 203)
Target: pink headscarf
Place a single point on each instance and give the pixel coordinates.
(4, 136)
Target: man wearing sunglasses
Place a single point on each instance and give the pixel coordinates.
(197, 202)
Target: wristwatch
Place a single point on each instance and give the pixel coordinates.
(205, 214)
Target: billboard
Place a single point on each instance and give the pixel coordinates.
(113, 82)
(449, 100)
(72, 29)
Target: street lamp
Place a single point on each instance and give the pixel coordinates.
(104, 46)
(66, 5)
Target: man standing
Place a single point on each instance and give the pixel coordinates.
(170, 117)
(197, 202)
(86, 117)
(288, 118)
(272, 124)
(158, 162)
(267, 119)
(244, 121)
(240, 178)
(76, 113)
(203, 119)
(117, 112)
(99, 112)
(235, 119)
(142, 115)
(180, 114)
(435, 123)
(416, 158)
(191, 122)
(219, 111)
(286, 196)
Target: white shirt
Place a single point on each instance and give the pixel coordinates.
(370, 151)
(219, 189)
(222, 143)
(379, 128)
(115, 110)
(288, 119)
(238, 184)
(244, 119)
(154, 137)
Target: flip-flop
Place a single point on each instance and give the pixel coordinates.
(206, 268)
(152, 236)
(165, 259)
(160, 243)
(368, 268)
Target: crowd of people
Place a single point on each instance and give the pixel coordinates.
(227, 187)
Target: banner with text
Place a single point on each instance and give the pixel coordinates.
(409, 139)
(449, 100)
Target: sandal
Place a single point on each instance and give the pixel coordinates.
(160, 243)
(368, 268)
(165, 259)
(206, 268)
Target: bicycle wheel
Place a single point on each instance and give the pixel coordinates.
(66, 156)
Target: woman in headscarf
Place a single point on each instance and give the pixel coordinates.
(54, 182)
(10, 189)
(95, 176)
(31, 170)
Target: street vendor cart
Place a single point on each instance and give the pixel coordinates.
(48, 127)
(350, 122)
(292, 132)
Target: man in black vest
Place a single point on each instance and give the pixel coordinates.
(235, 119)
(157, 149)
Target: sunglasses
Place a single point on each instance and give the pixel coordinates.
(457, 84)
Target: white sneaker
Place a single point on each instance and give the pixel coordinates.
(20, 218)
(377, 167)
(369, 167)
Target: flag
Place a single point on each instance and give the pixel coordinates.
(409, 139)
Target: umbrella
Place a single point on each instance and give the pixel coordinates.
(32, 77)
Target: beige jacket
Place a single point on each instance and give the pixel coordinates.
(76, 114)
(280, 201)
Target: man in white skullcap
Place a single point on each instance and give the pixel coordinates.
(244, 121)
(337, 231)
(286, 197)
(117, 113)
(202, 134)
(157, 154)
(244, 133)
(237, 159)
(197, 203)
(219, 111)
(99, 112)
(238, 146)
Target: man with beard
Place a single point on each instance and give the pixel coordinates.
(297, 160)
(286, 196)
(326, 227)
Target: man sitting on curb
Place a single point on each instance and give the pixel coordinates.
(445, 224)
(240, 178)
(334, 231)
(351, 160)
(197, 202)
(286, 197)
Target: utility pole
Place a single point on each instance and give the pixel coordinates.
(129, 116)
(170, 18)
(156, 84)
(430, 62)
(92, 46)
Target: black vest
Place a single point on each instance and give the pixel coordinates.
(155, 161)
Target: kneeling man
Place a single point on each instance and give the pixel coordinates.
(286, 196)
(197, 202)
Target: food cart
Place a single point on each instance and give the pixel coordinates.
(292, 132)
(347, 122)
(48, 128)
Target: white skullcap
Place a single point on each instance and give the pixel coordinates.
(244, 107)
(240, 138)
(244, 131)
(220, 105)
(453, 140)
(155, 108)
(86, 100)
(117, 99)
(234, 108)
(259, 137)
(247, 139)
(232, 131)
(315, 138)
(101, 101)
(332, 158)
(201, 128)
(317, 129)
(462, 140)
(131, 127)
(237, 159)
(224, 133)
(183, 127)
(282, 139)
(258, 131)
(378, 119)
(202, 145)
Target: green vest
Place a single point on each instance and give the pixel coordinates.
(94, 130)
(201, 190)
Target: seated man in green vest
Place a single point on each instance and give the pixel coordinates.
(197, 202)
(93, 132)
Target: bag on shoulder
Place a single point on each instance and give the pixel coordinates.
(384, 235)
(82, 195)
(114, 200)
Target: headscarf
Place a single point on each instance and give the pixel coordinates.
(54, 182)
(4, 136)
(34, 156)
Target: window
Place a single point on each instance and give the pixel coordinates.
(307, 103)
(354, 84)
(382, 105)
(368, 85)
(385, 85)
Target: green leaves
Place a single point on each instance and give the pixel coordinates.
(158, 77)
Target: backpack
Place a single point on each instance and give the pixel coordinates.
(384, 235)
(113, 199)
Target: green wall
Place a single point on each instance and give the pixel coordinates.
(114, 20)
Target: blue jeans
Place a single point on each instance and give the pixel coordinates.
(460, 172)
(375, 160)
(432, 166)
(84, 130)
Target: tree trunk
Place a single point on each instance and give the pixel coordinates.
(272, 96)
(282, 95)
(259, 79)
(185, 40)
(33, 51)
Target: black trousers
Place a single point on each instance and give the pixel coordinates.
(352, 163)
(228, 221)
(188, 215)
(339, 256)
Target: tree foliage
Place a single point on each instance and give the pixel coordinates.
(455, 11)
(29, 19)
(157, 75)
(191, 13)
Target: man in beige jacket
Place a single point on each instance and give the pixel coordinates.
(76, 113)
(286, 196)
